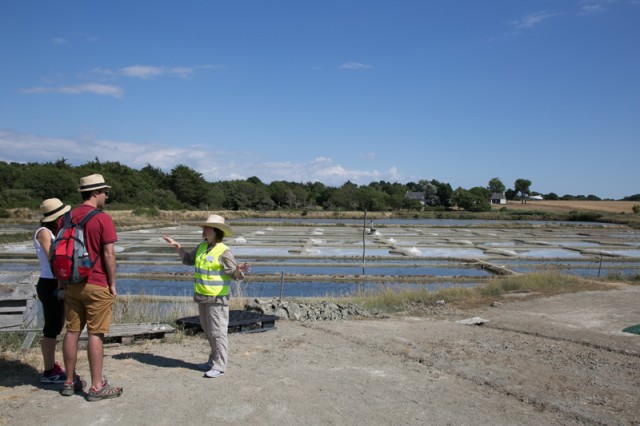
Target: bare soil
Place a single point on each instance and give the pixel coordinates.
(566, 206)
(555, 360)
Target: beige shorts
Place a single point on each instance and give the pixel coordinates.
(88, 304)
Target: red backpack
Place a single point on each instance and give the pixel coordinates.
(70, 261)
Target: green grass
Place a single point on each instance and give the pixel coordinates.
(619, 277)
(12, 340)
(547, 283)
(16, 238)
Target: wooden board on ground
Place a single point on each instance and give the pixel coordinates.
(128, 333)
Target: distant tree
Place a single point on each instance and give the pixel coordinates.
(431, 195)
(254, 180)
(635, 197)
(48, 181)
(393, 194)
(154, 177)
(470, 201)
(250, 194)
(318, 194)
(496, 186)
(345, 198)
(522, 187)
(445, 192)
(592, 197)
(288, 195)
(189, 186)
(481, 192)
(551, 196)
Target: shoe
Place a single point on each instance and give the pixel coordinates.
(213, 373)
(106, 391)
(55, 375)
(205, 366)
(69, 389)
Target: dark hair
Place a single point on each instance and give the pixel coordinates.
(51, 226)
(86, 195)
(219, 234)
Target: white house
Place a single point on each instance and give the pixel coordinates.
(498, 198)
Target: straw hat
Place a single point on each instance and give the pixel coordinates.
(52, 208)
(92, 182)
(216, 221)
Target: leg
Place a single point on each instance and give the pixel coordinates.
(48, 347)
(219, 318)
(205, 323)
(95, 352)
(74, 314)
(70, 352)
(53, 312)
(98, 301)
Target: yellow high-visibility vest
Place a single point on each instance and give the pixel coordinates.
(210, 278)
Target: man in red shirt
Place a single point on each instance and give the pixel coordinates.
(91, 303)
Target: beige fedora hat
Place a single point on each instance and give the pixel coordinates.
(92, 182)
(52, 208)
(216, 221)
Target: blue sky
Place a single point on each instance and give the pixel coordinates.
(455, 90)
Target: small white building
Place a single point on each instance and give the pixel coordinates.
(498, 198)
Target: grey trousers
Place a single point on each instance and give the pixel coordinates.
(214, 319)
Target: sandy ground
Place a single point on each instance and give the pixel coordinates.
(558, 360)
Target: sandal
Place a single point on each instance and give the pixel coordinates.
(105, 392)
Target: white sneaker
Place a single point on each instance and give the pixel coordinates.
(213, 373)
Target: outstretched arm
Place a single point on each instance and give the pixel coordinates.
(175, 244)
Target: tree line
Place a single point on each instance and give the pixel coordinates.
(27, 184)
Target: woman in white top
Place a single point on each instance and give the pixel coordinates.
(47, 289)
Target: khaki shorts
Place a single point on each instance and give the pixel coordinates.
(88, 304)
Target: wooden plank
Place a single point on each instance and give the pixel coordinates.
(128, 333)
(28, 340)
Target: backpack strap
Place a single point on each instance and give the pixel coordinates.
(66, 221)
(88, 216)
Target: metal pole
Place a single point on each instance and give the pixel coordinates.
(600, 266)
(364, 230)
(281, 284)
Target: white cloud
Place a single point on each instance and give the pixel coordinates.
(595, 7)
(320, 169)
(591, 9)
(58, 40)
(222, 166)
(532, 20)
(149, 71)
(354, 66)
(95, 88)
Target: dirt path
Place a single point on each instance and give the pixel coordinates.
(559, 360)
